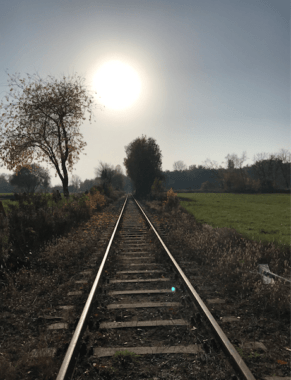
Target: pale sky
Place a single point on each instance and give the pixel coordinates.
(214, 74)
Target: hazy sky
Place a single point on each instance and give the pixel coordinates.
(214, 74)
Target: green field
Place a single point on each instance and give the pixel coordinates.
(260, 217)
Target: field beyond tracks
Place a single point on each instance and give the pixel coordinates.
(261, 217)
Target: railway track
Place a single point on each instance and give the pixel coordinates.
(141, 303)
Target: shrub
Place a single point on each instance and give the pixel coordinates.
(158, 191)
(34, 222)
(95, 200)
(172, 200)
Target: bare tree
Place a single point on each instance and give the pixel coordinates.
(43, 124)
(179, 165)
(105, 172)
(75, 181)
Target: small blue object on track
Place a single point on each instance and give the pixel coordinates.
(173, 289)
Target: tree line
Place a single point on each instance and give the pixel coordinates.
(38, 179)
(43, 124)
(267, 173)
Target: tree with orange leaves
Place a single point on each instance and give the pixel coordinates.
(43, 124)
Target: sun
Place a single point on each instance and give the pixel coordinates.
(117, 84)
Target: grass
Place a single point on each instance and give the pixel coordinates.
(51, 202)
(261, 217)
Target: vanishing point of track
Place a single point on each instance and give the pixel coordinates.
(135, 263)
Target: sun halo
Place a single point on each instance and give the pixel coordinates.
(117, 84)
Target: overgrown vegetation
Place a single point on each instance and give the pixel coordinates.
(232, 256)
(35, 219)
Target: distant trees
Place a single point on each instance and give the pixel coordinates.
(206, 186)
(29, 180)
(5, 186)
(118, 180)
(88, 183)
(143, 164)
(179, 165)
(43, 124)
(284, 163)
(265, 175)
(105, 172)
(110, 176)
(268, 173)
(75, 182)
(270, 169)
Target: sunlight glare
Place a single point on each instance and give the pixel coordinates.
(117, 84)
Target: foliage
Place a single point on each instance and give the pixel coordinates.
(172, 200)
(32, 222)
(110, 177)
(43, 124)
(88, 183)
(158, 190)
(265, 175)
(269, 170)
(242, 231)
(29, 180)
(118, 181)
(36, 219)
(105, 172)
(5, 186)
(143, 164)
(96, 200)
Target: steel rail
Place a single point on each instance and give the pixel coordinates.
(228, 347)
(69, 361)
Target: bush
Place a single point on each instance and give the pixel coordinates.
(37, 219)
(34, 222)
(96, 200)
(158, 192)
(172, 200)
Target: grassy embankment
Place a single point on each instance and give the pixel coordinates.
(261, 217)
